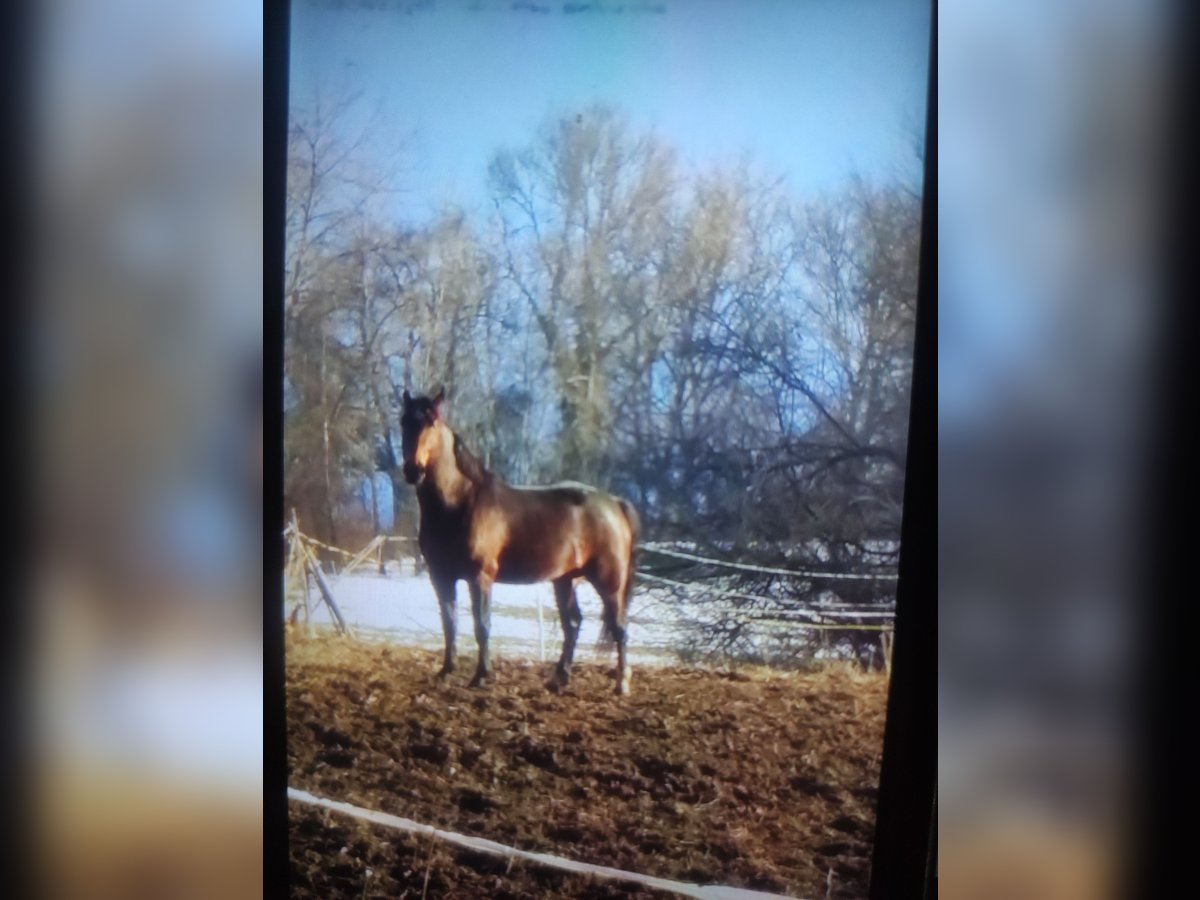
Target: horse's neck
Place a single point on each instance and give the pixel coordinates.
(448, 486)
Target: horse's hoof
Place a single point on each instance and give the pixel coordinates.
(479, 680)
(558, 681)
(443, 674)
(623, 684)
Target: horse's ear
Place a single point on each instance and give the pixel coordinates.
(438, 399)
(406, 397)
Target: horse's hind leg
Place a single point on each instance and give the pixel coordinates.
(609, 579)
(571, 618)
(614, 624)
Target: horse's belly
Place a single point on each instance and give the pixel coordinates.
(517, 567)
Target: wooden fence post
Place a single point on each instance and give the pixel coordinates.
(310, 566)
(326, 593)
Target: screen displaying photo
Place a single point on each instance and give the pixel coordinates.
(598, 347)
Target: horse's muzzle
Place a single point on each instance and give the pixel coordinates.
(413, 472)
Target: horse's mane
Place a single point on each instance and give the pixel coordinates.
(468, 463)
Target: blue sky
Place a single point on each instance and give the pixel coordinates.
(813, 89)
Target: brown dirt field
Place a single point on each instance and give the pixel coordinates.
(753, 778)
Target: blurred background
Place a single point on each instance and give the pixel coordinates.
(1049, 123)
(147, 365)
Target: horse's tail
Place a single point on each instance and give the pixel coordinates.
(635, 533)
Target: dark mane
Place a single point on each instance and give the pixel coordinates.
(469, 464)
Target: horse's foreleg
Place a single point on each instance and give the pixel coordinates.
(445, 590)
(481, 610)
(571, 618)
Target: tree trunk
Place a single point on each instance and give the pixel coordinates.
(374, 504)
(397, 502)
(329, 497)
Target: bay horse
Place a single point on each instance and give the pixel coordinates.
(476, 528)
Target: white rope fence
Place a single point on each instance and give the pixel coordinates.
(826, 617)
(483, 845)
(769, 570)
(774, 600)
(383, 538)
(654, 548)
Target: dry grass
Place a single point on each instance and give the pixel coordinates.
(754, 778)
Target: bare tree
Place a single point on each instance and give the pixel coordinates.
(330, 192)
(584, 211)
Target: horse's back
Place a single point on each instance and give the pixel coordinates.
(556, 530)
(571, 493)
(589, 505)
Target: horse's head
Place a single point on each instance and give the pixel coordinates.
(419, 433)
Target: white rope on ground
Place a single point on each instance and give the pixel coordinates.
(768, 570)
(756, 597)
(483, 845)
